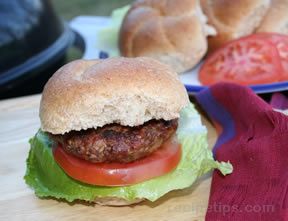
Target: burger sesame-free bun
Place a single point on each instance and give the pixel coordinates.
(276, 19)
(114, 201)
(173, 32)
(233, 18)
(130, 91)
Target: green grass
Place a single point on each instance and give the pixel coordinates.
(69, 9)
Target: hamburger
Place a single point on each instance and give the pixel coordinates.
(116, 132)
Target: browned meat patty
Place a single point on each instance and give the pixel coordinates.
(116, 143)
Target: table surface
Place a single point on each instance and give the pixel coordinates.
(18, 122)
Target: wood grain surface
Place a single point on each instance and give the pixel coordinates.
(18, 122)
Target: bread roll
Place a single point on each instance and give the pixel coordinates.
(130, 91)
(171, 31)
(233, 18)
(276, 20)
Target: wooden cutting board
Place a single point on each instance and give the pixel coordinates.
(18, 122)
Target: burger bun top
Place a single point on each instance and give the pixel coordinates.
(87, 94)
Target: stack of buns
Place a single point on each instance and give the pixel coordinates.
(173, 32)
(177, 32)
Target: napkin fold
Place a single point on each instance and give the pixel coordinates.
(254, 138)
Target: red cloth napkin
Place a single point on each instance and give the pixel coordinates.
(254, 139)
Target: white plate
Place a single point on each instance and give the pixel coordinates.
(88, 26)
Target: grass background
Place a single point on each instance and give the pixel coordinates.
(69, 9)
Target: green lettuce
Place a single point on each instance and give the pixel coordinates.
(108, 35)
(49, 180)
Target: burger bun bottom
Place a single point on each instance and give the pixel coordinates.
(114, 201)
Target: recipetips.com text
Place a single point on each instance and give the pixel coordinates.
(222, 208)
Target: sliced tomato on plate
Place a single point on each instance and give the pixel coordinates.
(280, 41)
(161, 162)
(248, 61)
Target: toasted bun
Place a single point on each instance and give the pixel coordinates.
(233, 19)
(276, 20)
(130, 91)
(114, 201)
(173, 32)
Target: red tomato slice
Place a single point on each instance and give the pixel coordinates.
(246, 61)
(162, 161)
(281, 43)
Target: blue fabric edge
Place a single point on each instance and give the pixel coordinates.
(218, 114)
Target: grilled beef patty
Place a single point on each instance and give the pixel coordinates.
(116, 143)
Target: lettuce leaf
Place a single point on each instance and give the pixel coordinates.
(49, 180)
(108, 35)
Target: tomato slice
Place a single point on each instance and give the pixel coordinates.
(246, 61)
(162, 161)
(280, 41)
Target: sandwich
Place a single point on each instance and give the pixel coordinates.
(116, 132)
